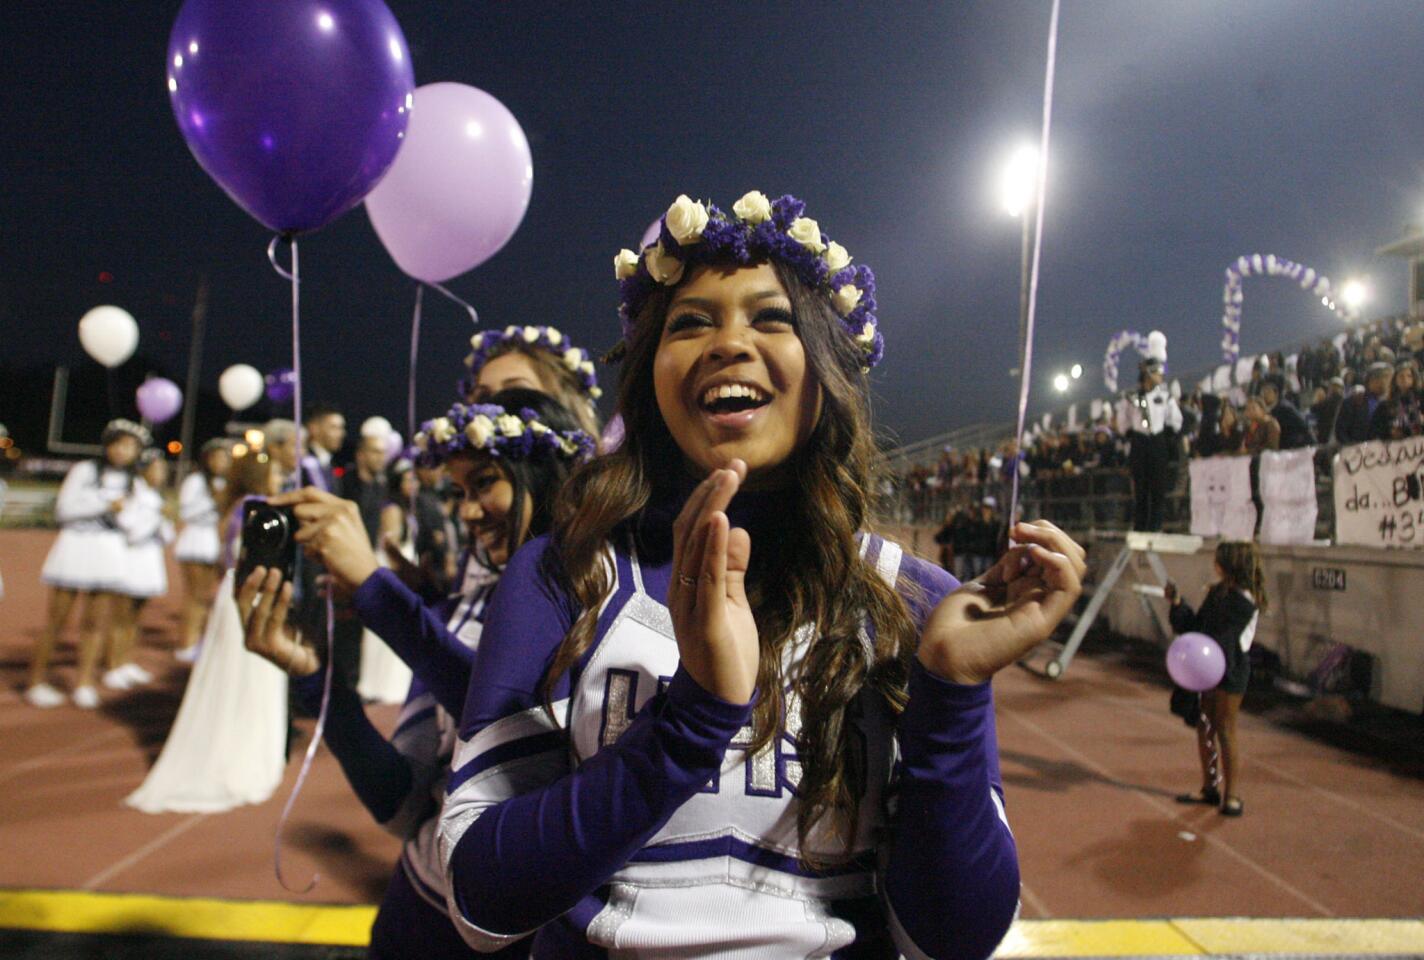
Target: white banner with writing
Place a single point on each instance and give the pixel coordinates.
(1287, 482)
(1221, 498)
(1378, 499)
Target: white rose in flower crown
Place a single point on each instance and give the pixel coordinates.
(625, 264)
(538, 427)
(586, 367)
(509, 425)
(422, 442)
(511, 331)
(837, 258)
(554, 336)
(846, 299)
(686, 219)
(442, 430)
(595, 392)
(807, 232)
(663, 266)
(867, 333)
(573, 357)
(753, 208)
(530, 334)
(479, 430)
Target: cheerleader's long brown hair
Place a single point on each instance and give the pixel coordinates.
(808, 570)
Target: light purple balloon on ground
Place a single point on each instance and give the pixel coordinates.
(459, 187)
(1195, 662)
(159, 399)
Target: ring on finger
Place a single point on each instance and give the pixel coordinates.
(686, 581)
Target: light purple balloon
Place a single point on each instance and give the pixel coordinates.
(650, 235)
(613, 433)
(1196, 662)
(159, 399)
(459, 187)
(394, 445)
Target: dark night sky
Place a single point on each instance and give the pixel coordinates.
(1185, 134)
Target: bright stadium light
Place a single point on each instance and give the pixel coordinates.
(1060, 383)
(1077, 371)
(1018, 183)
(1354, 294)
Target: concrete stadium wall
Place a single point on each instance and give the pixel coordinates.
(1367, 598)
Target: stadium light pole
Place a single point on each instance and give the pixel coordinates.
(1018, 195)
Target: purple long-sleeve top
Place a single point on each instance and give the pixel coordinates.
(634, 819)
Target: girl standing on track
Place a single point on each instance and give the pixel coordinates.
(198, 546)
(710, 715)
(148, 533)
(508, 458)
(1228, 615)
(86, 562)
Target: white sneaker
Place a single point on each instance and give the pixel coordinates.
(137, 675)
(115, 679)
(186, 654)
(44, 696)
(85, 698)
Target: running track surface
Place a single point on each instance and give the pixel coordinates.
(1090, 764)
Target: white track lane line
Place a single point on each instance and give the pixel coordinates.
(55, 756)
(1284, 774)
(1171, 814)
(1034, 901)
(172, 833)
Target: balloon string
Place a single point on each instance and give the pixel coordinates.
(1037, 248)
(310, 753)
(295, 276)
(474, 316)
(411, 518)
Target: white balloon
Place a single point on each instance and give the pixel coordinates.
(240, 386)
(108, 334)
(378, 427)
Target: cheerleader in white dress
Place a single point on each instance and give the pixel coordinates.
(384, 676)
(228, 743)
(87, 560)
(148, 532)
(197, 546)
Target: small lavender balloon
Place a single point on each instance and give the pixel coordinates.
(1195, 662)
(159, 399)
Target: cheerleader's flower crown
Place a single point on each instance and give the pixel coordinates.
(489, 428)
(488, 343)
(693, 233)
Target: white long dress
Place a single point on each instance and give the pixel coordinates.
(228, 744)
(384, 676)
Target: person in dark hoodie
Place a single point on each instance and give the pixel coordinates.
(1295, 431)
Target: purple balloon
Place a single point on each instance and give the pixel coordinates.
(159, 399)
(1196, 662)
(281, 384)
(459, 188)
(295, 107)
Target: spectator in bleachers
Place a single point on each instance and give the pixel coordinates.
(1231, 431)
(1295, 432)
(1324, 410)
(1399, 416)
(1262, 430)
(1358, 410)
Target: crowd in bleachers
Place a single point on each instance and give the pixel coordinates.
(1364, 385)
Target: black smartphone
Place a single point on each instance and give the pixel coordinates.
(268, 539)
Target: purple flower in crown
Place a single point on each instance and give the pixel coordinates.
(757, 229)
(489, 428)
